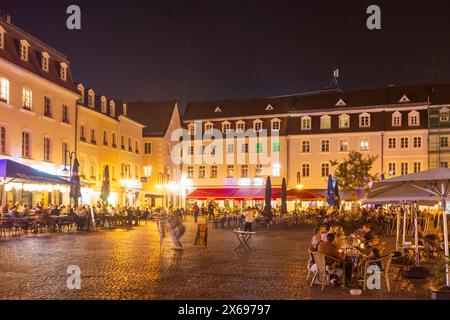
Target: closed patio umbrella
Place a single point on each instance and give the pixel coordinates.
(283, 197)
(75, 183)
(268, 200)
(105, 191)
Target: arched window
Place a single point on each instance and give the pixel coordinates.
(344, 121)
(26, 144)
(414, 119)
(396, 119)
(325, 122)
(306, 123)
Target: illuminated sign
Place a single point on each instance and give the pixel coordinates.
(245, 182)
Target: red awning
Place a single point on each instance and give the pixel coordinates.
(232, 194)
(303, 195)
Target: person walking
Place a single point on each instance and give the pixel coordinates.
(196, 211)
(176, 230)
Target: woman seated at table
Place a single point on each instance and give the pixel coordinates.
(316, 238)
(329, 249)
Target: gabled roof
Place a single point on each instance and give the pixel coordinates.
(11, 53)
(155, 116)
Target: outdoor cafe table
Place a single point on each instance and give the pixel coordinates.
(243, 237)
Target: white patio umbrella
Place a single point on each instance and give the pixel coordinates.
(429, 184)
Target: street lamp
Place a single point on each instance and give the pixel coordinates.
(71, 156)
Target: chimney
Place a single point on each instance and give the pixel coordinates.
(5, 17)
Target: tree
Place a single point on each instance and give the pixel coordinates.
(354, 173)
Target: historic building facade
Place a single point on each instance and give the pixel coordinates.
(37, 109)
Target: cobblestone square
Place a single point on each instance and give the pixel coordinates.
(129, 264)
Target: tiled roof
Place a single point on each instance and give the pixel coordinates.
(10, 52)
(154, 115)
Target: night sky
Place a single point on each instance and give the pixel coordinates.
(208, 50)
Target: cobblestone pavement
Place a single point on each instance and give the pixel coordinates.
(129, 264)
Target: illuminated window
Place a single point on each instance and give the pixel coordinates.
(47, 149)
(444, 115)
(93, 137)
(27, 98)
(124, 110)
(306, 123)
(190, 172)
(276, 170)
(45, 61)
(344, 121)
(230, 171)
(112, 109)
(276, 146)
(258, 171)
(83, 133)
(259, 147)
(244, 171)
(91, 99)
(63, 71)
(392, 168)
(209, 128)
(364, 144)
(148, 172)
(443, 164)
(24, 48)
(103, 104)
(444, 142)
(244, 148)
(4, 90)
(26, 145)
(343, 145)
(325, 122)
(2, 38)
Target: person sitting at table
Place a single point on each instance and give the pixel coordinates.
(316, 238)
(323, 233)
(55, 210)
(26, 210)
(329, 249)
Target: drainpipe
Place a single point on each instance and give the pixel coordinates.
(382, 152)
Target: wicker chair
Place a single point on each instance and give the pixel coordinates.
(384, 262)
(323, 269)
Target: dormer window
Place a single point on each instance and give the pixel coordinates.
(2, 38)
(80, 88)
(103, 104)
(269, 108)
(124, 110)
(4, 90)
(404, 99)
(24, 48)
(45, 61)
(112, 109)
(226, 127)
(414, 119)
(209, 128)
(325, 122)
(306, 123)
(63, 71)
(276, 124)
(364, 120)
(257, 125)
(91, 99)
(396, 119)
(344, 121)
(217, 109)
(341, 103)
(444, 115)
(240, 126)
